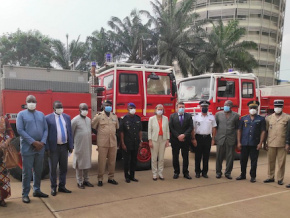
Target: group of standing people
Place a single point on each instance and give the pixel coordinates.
(59, 136)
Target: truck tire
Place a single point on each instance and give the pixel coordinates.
(144, 154)
(17, 171)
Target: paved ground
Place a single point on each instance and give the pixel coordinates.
(170, 198)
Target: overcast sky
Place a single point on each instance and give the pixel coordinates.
(56, 18)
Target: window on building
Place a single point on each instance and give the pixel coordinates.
(108, 82)
(128, 84)
(266, 17)
(247, 90)
(226, 88)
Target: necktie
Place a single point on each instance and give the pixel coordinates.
(181, 120)
(62, 130)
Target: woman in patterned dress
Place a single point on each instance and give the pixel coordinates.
(6, 134)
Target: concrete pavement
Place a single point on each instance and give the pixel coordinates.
(169, 198)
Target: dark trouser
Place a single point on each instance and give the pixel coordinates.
(184, 152)
(59, 156)
(130, 162)
(226, 150)
(202, 151)
(254, 154)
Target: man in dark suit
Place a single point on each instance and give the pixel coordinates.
(181, 126)
(59, 143)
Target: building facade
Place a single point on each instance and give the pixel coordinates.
(263, 20)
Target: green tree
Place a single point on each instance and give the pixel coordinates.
(131, 38)
(223, 49)
(71, 56)
(174, 24)
(26, 49)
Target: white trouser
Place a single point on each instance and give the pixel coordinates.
(158, 152)
(82, 176)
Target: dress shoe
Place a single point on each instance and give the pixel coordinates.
(81, 186)
(280, 182)
(40, 194)
(3, 203)
(197, 175)
(228, 176)
(241, 177)
(127, 180)
(25, 199)
(134, 179)
(218, 176)
(63, 189)
(112, 181)
(253, 180)
(53, 191)
(161, 178)
(269, 180)
(175, 176)
(154, 179)
(187, 176)
(87, 183)
(100, 183)
(205, 176)
(288, 186)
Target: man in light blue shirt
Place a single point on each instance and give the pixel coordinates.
(32, 128)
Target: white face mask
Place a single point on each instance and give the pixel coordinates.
(59, 111)
(253, 111)
(132, 111)
(31, 106)
(84, 113)
(278, 110)
(159, 112)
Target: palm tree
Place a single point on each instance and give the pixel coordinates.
(223, 49)
(131, 38)
(174, 24)
(72, 56)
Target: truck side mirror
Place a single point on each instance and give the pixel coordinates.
(172, 78)
(100, 89)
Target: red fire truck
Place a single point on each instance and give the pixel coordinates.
(234, 86)
(145, 85)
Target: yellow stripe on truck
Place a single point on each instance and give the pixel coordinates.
(139, 110)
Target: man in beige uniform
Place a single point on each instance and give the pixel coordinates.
(276, 125)
(106, 123)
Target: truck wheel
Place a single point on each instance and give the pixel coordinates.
(17, 171)
(237, 154)
(144, 154)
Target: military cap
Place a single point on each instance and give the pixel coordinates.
(253, 104)
(131, 105)
(278, 102)
(107, 101)
(204, 103)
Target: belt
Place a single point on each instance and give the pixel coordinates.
(62, 144)
(204, 136)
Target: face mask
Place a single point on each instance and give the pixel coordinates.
(204, 110)
(84, 113)
(108, 109)
(31, 106)
(159, 112)
(253, 111)
(181, 110)
(59, 111)
(227, 108)
(132, 111)
(278, 110)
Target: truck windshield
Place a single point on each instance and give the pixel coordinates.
(195, 89)
(158, 87)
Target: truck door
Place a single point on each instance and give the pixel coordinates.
(129, 89)
(159, 91)
(227, 89)
(248, 94)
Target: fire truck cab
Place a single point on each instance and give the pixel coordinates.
(145, 86)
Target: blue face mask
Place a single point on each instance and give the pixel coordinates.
(181, 110)
(227, 108)
(108, 109)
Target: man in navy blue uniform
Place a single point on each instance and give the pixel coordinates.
(251, 134)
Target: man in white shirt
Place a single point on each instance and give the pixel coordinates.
(203, 137)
